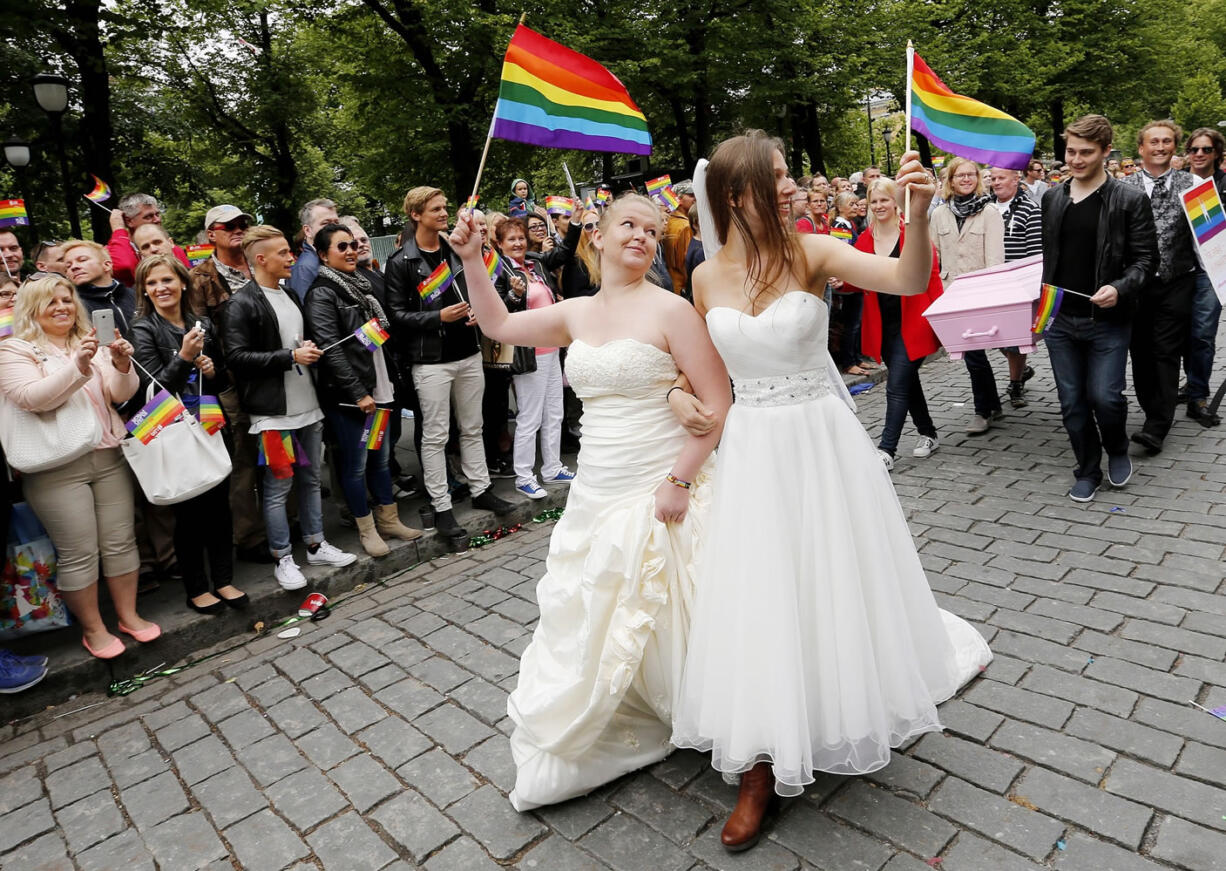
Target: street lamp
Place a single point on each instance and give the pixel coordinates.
(51, 92)
(888, 134)
(17, 154)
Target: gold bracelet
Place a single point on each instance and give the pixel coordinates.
(677, 482)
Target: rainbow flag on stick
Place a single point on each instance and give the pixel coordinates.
(1204, 208)
(6, 323)
(158, 413)
(559, 205)
(471, 202)
(604, 196)
(101, 191)
(375, 429)
(13, 213)
(210, 415)
(197, 254)
(493, 263)
(668, 196)
(1050, 298)
(658, 184)
(557, 98)
(438, 281)
(961, 125)
(371, 334)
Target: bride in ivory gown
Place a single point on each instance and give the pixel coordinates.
(816, 643)
(598, 683)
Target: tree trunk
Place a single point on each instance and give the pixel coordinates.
(95, 133)
(283, 210)
(1056, 118)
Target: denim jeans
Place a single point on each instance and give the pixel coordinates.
(903, 393)
(1159, 334)
(1088, 360)
(357, 466)
(276, 491)
(983, 383)
(1202, 337)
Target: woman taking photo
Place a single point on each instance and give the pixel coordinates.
(527, 283)
(86, 504)
(182, 351)
(352, 383)
(969, 235)
(894, 329)
(577, 273)
(597, 684)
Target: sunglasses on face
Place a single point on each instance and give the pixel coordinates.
(345, 246)
(536, 228)
(1201, 149)
(590, 226)
(231, 226)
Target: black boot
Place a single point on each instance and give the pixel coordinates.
(445, 523)
(492, 502)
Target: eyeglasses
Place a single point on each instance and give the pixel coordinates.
(231, 226)
(1201, 149)
(966, 175)
(590, 226)
(345, 246)
(533, 228)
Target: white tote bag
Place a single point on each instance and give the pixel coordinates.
(36, 442)
(182, 462)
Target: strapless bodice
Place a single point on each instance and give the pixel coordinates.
(620, 367)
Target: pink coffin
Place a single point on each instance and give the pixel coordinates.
(989, 308)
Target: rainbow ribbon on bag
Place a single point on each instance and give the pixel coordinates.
(375, 429)
(210, 415)
(158, 413)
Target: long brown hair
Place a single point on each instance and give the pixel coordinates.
(144, 305)
(742, 169)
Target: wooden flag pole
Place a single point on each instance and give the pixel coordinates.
(485, 152)
(906, 216)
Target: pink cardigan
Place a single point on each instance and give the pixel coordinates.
(23, 382)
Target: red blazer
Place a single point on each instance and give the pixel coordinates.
(917, 336)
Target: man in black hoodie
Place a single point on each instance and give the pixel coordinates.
(89, 268)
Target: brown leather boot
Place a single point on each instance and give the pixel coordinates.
(757, 796)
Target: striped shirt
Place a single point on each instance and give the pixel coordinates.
(1023, 227)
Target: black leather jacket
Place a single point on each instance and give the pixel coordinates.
(1126, 253)
(347, 372)
(416, 324)
(157, 343)
(254, 352)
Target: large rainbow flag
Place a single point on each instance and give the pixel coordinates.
(966, 127)
(557, 98)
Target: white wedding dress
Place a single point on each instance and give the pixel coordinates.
(598, 683)
(816, 642)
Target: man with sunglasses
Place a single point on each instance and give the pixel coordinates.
(1205, 148)
(1034, 183)
(216, 279)
(134, 210)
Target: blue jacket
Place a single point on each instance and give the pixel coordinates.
(305, 270)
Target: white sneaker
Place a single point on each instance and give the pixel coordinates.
(288, 575)
(886, 460)
(925, 446)
(327, 555)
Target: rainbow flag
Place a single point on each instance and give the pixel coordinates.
(658, 184)
(277, 453)
(559, 205)
(493, 263)
(1050, 298)
(668, 196)
(210, 415)
(440, 279)
(964, 126)
(1204, 208)
(197, 254)
(604, 196)
(590, 205)
(471, 202)
(13, 213)
(841, 233)
(371, 334)
(6, 323)
(375, 429)
(101, 191)
(157, 414)
(557, 98)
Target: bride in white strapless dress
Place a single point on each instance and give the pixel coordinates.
(816, 644)
(599, 681)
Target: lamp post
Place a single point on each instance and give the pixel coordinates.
(17, 155)
(51, 92)
(888, 134)
(868, 109)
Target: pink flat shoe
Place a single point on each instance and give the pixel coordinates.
(111, 651)
(144, 636)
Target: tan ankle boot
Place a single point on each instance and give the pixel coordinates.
(387, 521)
(756, 799)
(374, 545)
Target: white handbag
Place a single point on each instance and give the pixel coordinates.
(180, 463)
(36, 442)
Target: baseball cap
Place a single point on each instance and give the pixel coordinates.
(224, 214)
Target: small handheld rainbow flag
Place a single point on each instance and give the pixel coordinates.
(13, 213)
(604, 196)
(658, 184)
(493, 263)
(1050, 298)
(210, 415)
(471, 202)
(558, 205)
(590, 205)
(197, 254)
(375, 429)
(1204, 209)
(668, 196)
(841, 233)
(432, 288)
(157, 414)
(371, 334)
(277, 452)
(101, 191)
(6, 323)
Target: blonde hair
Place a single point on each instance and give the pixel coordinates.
(417, 198)
(67, 246)
(888, 187)
(586, 251)
(592, 259)
(256, 235)
(841, 200)
(947, 186)
(33, 299)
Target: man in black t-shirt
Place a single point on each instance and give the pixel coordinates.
(1098, 241)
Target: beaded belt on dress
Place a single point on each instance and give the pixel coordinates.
(782, 389)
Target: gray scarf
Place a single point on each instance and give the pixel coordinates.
(967, 206)
(357, 288)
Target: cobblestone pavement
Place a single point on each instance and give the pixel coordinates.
(377, 739)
